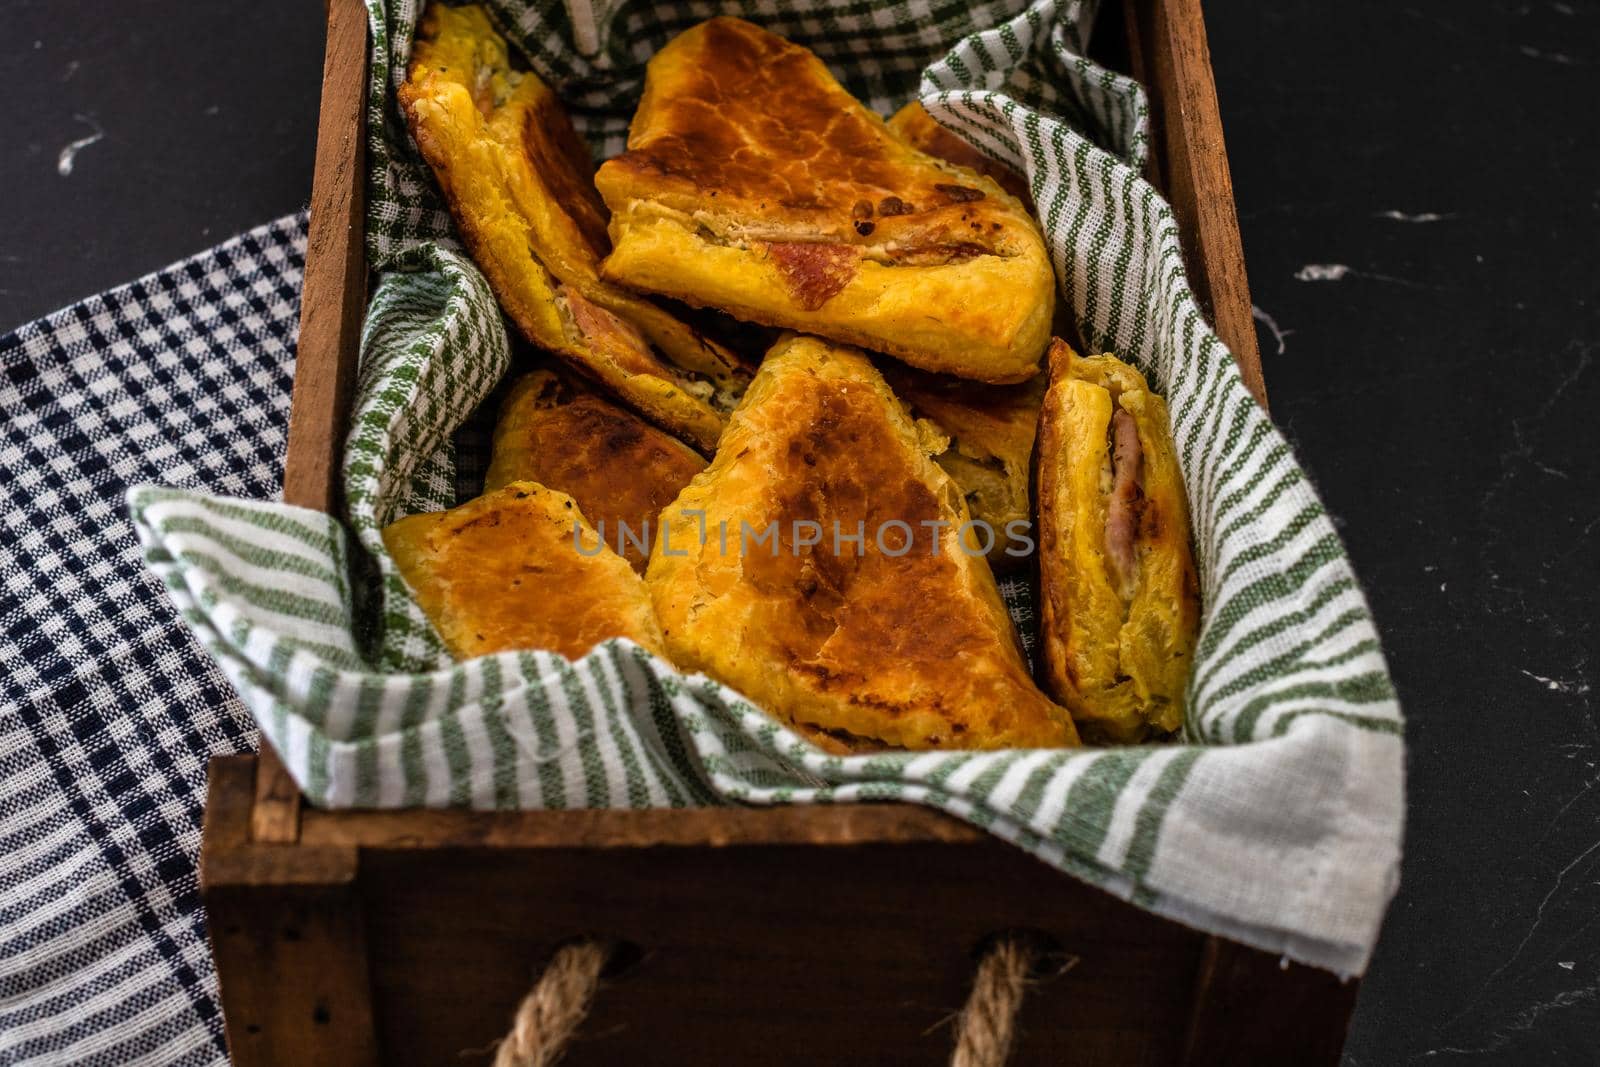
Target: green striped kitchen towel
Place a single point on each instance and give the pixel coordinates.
(1276, 821)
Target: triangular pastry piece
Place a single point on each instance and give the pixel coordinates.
(1119, 603)
(519, 184)
(755, 183)
(520, 568)
(619, 469)
(818, 567)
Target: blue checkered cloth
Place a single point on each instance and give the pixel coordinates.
(109, 709)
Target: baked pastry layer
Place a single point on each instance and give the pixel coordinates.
(755, 183)
(619, 469)
(988, 433)
(519, 184)
(913, 125)
(505, 572)
(896, 639)
(1119, 601)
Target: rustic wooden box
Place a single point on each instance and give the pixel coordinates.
(814, 935)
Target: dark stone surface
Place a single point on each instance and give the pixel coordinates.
(1442, 392)
(1443, 395)
(208, 114)
(1445, 399)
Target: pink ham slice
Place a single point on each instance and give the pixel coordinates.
(814, 273)
(612, 337)
(1122, 512)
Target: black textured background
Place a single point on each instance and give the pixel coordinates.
(1442, 392)
(1444, 397)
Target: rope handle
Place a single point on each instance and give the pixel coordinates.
(555, 1007)
(549, 1016)
(1012, 961)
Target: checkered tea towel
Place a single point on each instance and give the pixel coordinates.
(1276, 821)
(109, 708)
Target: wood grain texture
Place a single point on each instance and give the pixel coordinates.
(333, 300)
(335, 289)
(293, 972)
(230, 854)
(762, 939)
(845, 824)
(1189, 151)
(773, 955)
(1251, 1008)
(288, 935)
(275, 816)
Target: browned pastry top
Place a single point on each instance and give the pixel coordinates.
(851, 616)
(618, 467)
(738, 120)
(519, 568)
(899, 638)
(557, 154)
(915, 126)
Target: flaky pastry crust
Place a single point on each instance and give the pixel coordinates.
(987, 434)
(898, 643)
(621, 470)
(922, 131)
(755, 183)
(519, 184)
(504, 572)
(1119, 600)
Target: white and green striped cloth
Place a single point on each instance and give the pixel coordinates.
(1276, 821)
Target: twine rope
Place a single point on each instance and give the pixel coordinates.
(554, 1008)
(988, 1021)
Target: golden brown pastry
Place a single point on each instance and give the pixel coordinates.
(1119, 603)
(518, 181)
(988, 433)
(922, 131)
(896, 639)
(505, 571)
(619, 468)
(755, 183)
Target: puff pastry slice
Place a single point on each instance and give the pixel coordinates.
(1119, 601)
(505, 572)
(898, 639)
(755, 183)
(519, 184)
(619, 469)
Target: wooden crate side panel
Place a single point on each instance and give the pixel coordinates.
(293, 970)
(1252, 1008)
(772, 955)
(333, 299)
(744, 942)
(287, 935)
(807, 825)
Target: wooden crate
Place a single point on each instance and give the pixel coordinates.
(814, 935)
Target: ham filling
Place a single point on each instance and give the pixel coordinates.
(814, 273)
(1122, 511)
(609, 336)
(618, 341)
